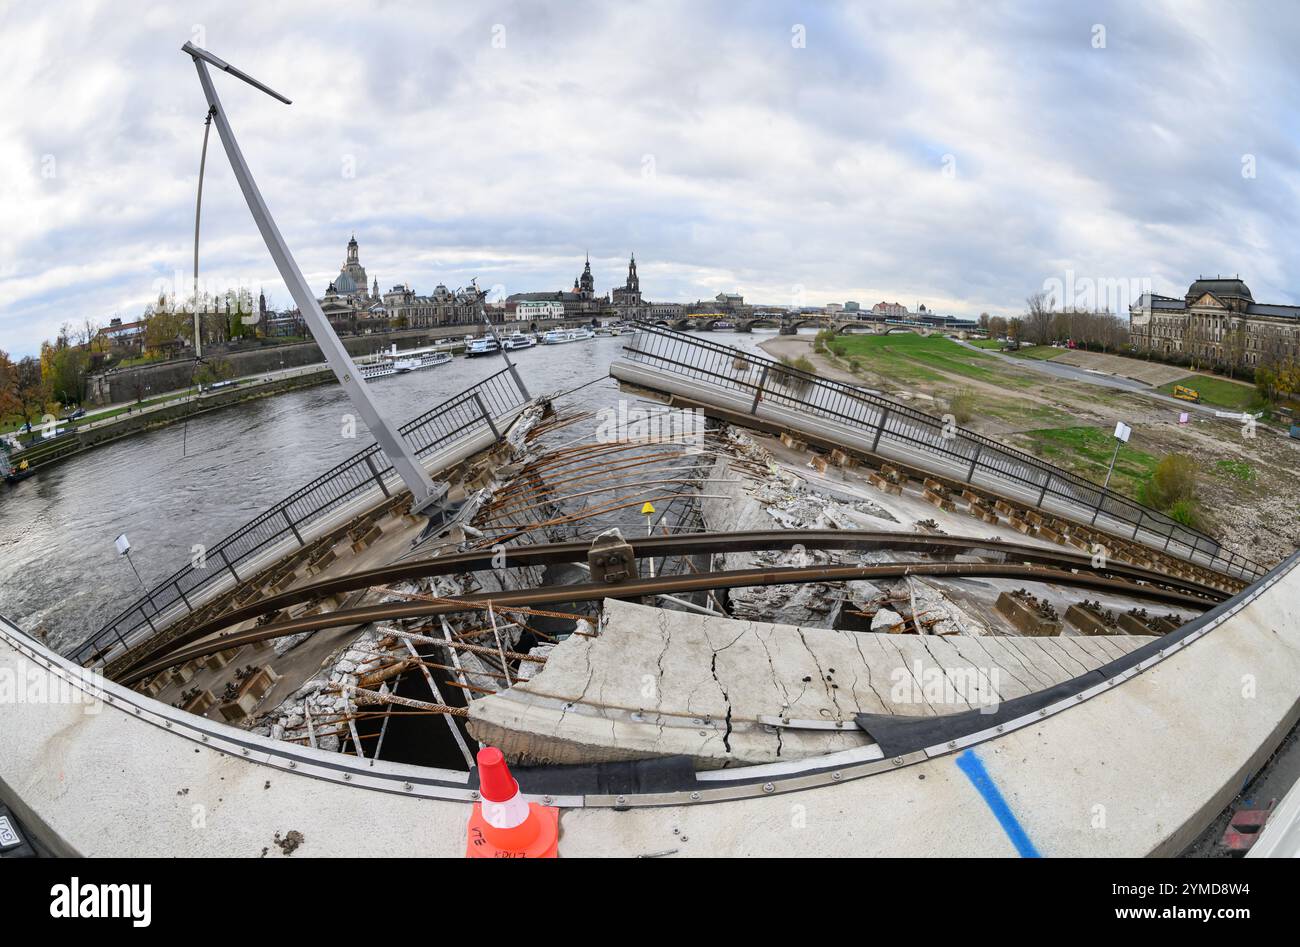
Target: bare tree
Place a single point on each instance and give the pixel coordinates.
(1038, 317)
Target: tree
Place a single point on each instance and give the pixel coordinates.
(162, 328)
(63, 367)
(1193, 340)
(1234, 346)
(10, 402)
(1039, 317)
(32, 392)
(212, 371)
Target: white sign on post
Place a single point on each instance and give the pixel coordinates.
(123, 546)
(1122, 431)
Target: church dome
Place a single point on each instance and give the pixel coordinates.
(345, 284)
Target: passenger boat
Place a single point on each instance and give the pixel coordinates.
(485, 345)
(388, 364)
(519, 341)
(381, 369)
(414, 363)
(560, 336)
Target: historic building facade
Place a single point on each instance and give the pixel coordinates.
(893, 310)
(353, 307)
(579, 303)
(626, 299)
(443, 308)
(1216, 320)
(530, 310)
(350, 304)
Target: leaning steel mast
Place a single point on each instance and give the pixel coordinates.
(404, 459)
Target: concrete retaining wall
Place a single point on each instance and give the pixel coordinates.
(122, 385)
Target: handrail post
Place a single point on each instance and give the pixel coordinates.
(226, 560)
(762, 380)
(374, 472)
(181, 593)
(880, 428)
(285, 513)
(486, 417)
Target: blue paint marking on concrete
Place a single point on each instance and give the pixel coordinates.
(973, 767)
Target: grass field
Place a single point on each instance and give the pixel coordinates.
(1087, 452)
(1237, 470)
(1042, 353)
(1221, 393)
(912, 357)
(1020, 413)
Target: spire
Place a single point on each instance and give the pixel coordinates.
(633, 284)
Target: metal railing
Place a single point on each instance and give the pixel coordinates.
(883, 422)
(474, 409)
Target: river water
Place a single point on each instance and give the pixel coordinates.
(195, 483)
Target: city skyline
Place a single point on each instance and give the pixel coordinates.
(882, 177)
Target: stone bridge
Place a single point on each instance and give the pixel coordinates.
(841, 325)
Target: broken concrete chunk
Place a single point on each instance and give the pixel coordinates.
(887, 620)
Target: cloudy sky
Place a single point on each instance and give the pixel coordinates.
(959, 155)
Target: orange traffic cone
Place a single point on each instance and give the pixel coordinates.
(503, 825)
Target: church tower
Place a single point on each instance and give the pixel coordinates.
(352, 252)
(587, 282)
(627, 298)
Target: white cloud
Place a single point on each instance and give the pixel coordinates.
(772, 166)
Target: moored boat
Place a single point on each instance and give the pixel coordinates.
(560, 336)
(486, 345)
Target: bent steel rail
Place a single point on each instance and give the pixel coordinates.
(596, 591)
(688, 544)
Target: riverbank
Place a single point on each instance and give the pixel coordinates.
(1246, 481)
(114, 422)
(128, 422)
(178, 486)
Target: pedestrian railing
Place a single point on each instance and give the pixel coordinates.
(473, 410)
(885, 423)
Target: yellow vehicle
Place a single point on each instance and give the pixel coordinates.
(1187, 394)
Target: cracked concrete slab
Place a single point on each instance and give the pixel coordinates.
(654, 682)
